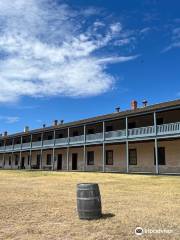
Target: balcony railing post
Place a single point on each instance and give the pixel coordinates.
(54, 138)
(126, 127)
(156, 144)
(103, 146)
(84, 148)
(127, 147)
(155, 124)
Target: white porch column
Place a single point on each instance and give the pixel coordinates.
(12, 154)
(127, 156)
(67, 158)
(30, 152)
(127, 147)
(84, 152)
(41, 162)
(53, 155)
(68, 151)
(20, 155)
(4, 156)
(156, 144)
(103, 147)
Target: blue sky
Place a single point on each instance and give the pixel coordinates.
(75, 59)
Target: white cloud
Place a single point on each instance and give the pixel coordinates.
(145, 30)
(125, 41)
(116, 59)
(46, 51)
(174, 41)
(116, 27)
(9, 119)
(171, 46)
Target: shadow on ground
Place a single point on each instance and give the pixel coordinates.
(107, 215)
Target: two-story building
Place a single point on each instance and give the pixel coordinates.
(143, 139)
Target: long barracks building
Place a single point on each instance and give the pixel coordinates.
(143, 139)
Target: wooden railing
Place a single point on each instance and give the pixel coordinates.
(170, 128)
(142, 132)
(119, 134)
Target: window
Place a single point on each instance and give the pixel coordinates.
(75, 133)
(90, 158)
(39, 138)
(16, 159)
(109, 128)
(109, 157)
(132, 157)
(132, 125)
(10, 160)
(161, 156)
(90, 131)
(160, 121)
(48, 159)
(50, 137)
(60, 135)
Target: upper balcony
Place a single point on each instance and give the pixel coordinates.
(140, 127)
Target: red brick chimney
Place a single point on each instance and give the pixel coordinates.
(134, 105)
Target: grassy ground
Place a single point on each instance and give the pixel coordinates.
(42, 205)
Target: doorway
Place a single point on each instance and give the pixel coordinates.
(22, 163)
(74, 161)
(38, 161)
(59, 162)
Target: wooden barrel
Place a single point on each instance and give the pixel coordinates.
(88, 201)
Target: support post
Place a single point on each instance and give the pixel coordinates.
(3, 160)
(127, 147)
(54, 149)
(156, 144)
(12, 154)
(30, 153)
(11, 160)
(41, 163)
(127, 157)
(68, 158)
(156, 154)
(53, 158)
(84, 148)
(68, 151)
(20, 154)
(103, 146)
(4, 155)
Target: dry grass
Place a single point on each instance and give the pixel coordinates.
(42, 205)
